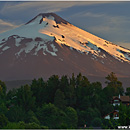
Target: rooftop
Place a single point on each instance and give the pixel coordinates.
(122, 98)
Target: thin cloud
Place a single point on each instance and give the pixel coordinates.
(45, 6)
(108, 23)
(111, 23)
(89, 14)
(5, 26)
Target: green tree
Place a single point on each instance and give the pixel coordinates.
(86, 116)
(73, 80)
(11, 97)
(115, 85)
(97, 122)
(72, 117)
(64, 83)
(32, 125)
(49, 115)
(97, 87)
(70, 96)
(3, 121)
(106, 108)
(59, 99)
(25, 99)
(82, 118)
(52, 86)
(78, 79)
(16, 114)
(83, 97)
(91, 114)
(38, 88)
(11, 93)
(82, 80)
(124, 115)
(110, 124)
(12, 125)
(3, 108)
(96, 94)
(2, 90)
(31, 118)
(128, 91)
(83, 90)
(15, 125)
(113, 124)
(111, 78)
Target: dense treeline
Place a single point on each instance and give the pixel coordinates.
(62, 103)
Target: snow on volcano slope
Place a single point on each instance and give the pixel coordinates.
(83, 41)
(39, 34)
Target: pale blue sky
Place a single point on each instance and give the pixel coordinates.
(108, 20)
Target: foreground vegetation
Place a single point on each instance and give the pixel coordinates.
(62, 103)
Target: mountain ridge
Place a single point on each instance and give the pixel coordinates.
(48, 45)
(57, 18)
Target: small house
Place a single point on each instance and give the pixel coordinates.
(114, 114)
(120, 99)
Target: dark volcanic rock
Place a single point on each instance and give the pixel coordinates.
(57, 18)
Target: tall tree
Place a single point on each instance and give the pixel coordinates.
(49, 115)
(3, 121)
(38, 88)
(59, 99)
(113, 83)
(64, 83)
(31, 117)
(16, 114)
(24, 98)
(2, 90)
(52, 86)
(128, 91)
(124, 115)
(96, 122)
(73, 80)
(82, 80)
(3, 102)
(70, 96)
(72, 117)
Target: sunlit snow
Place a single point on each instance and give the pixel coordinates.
(64, 34)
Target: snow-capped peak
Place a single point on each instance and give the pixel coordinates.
(50, 28)
(56, 18)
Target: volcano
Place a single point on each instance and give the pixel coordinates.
(48, 45)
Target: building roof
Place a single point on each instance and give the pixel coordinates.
(115, 111)
(122, 98)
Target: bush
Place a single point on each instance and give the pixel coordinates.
(3, 121)
(96, 122)
(32, 126)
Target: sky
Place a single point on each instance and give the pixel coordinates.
(107, 19)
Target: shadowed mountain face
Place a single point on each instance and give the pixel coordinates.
(48, 45)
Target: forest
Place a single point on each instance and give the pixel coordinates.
(62, 103)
